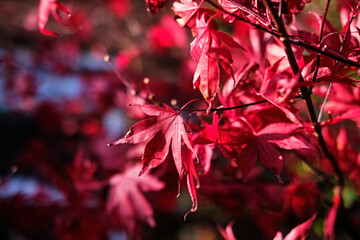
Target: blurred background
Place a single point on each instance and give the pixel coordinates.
(61, 104)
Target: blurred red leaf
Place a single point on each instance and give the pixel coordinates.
(45, 8)
(227, 233)
(126, 199)
(154, 6)
(330, 219)
(300, 232)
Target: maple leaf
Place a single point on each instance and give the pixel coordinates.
(301, 199)
(236, 7)
(329, 223)
(325, 75)
(82, 173)
(300, 232)
(121, 8)
(162, 131)
(279, 89)
(208, 48)
(246, 147)
(191, 175)
(350, 114)
(343, 98)
(166, 35)
(154, 6)
(227, 233)
(187, 11)
(296, 6)
(126, 199)
(45, 8)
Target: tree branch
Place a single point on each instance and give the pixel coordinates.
(305, 92)
(293, 40)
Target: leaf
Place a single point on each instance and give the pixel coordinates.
(163, 131)
(126, 199)
(82, 173)
(279, 89)
(233, 7)
(330, 218)
(351, 114)
(208, 48)
(187, 10)
(300, 232)
(331, 36)
(191, 175)
(45, 8)
(325, 75)
(296, 6)
(249, 146)
(154, 6)
(227, 233)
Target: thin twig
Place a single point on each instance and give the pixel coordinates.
(320, 40)
(335, 65)
(223, 109)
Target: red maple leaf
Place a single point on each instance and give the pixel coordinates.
(239, 8)
(209, 49)
(82, 173)
(246, 147)
(329, 223)
(280, 88)
(45, 8)
(296, 6)
(227, 233)
(325, 75)
(154, 6)
(165, 128)
(300, 232)
(126, 200)
(191, 175)
(163, 131)
(187, 11)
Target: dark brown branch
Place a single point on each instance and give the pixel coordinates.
(223, 109)
(305, 92)
(292, 39)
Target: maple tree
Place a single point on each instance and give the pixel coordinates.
(159, 119)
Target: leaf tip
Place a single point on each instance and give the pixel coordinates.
(144, 168)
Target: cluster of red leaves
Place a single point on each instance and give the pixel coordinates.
(244, 136)
(253, 121)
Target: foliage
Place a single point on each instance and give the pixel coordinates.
(257, 113)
